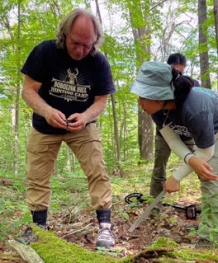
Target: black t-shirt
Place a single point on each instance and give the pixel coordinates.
(67, 85)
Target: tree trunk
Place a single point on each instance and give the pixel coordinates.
(116, 130)
(17, 100)
(216, 21)
(69, 169)
(142, 41)
(216, 29)
(145, 135)
(117, 139)
(204, 59)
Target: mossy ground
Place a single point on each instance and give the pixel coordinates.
(52, 249)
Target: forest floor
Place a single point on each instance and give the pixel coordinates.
(78, 225)
(169, 223)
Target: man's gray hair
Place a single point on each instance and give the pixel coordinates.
(66, 25)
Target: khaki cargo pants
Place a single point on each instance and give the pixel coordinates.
(42, 152)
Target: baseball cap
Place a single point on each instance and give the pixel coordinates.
(154, 81)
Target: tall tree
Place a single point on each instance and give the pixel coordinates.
(203, 47)
(216, 30)
(216, 21)
(139, 18)
(18, 85)
(116, 131)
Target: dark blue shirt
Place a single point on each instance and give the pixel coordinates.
(197, 118)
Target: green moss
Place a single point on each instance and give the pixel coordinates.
(165, 243)
(54, 250)
(175, 251)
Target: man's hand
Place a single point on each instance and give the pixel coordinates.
(76, 122)
(203, 169)
(172, 185)
(55, 118)
(30, 94)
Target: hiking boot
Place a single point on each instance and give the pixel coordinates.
(28, 237)
(105, 236)
(203, 243)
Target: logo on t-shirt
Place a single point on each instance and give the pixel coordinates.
(180, 130)
(70, 86)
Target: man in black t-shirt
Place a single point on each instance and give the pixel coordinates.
(67, 84)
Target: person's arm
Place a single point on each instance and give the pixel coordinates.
(32, 98)
(96, 109)
(30, 95)
(176, 144)
(197, 161)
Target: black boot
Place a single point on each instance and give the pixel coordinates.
(40, 218)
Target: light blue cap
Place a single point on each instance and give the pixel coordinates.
(154, 81)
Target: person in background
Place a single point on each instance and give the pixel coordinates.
(178, 108)
(162, 150)
(67, 84)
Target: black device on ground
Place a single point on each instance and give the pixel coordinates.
(191, 211)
